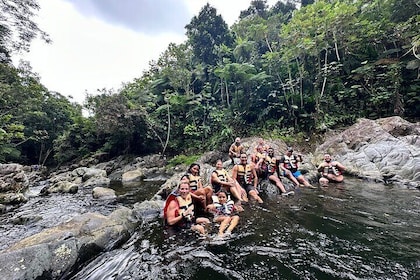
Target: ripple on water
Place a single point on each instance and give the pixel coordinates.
(357, 232)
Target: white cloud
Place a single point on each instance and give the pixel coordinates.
(88, 53)
(145, 16)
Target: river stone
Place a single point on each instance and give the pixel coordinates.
(12, 198)
(94, 173)
(87, 173)
(103, 193)
(53, 252)
(148, 210)
(13, 180)
(39, 261)
(267, 187)
(10, 168)
(62, 187)
(132, 176)
(385, 150)
(97, 182)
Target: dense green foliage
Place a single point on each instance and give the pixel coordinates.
(278, 72)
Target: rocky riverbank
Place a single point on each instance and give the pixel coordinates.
(385, 150)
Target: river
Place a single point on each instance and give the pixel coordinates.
(356, 230)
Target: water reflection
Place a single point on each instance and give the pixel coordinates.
(358, 230)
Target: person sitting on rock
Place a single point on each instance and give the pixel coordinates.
(259, 162)
(261, 144)
(246, 176)
(235, 149)
(331, 171)
(220, 180)
(289, 165)
(201, 195)
(261, 148)
(273, 172)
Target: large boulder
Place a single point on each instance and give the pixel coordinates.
(9, 168)
(13, 178)
(385, 150)
(54, 252)
(14, 181)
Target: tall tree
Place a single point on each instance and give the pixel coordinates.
(257, 7)
(121, 127)
(17, 27)
(205, 32)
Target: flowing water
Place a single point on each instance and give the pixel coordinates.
(356, 230)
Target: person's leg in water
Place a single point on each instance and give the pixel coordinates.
(200, 226)
(224, 223)
(233, 223)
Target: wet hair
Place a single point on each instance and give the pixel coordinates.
(192, 165)
(185, 177)
(289, 149)
(222, 191)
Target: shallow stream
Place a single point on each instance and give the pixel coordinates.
(357, 230)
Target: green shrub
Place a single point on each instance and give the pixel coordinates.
(182, 159)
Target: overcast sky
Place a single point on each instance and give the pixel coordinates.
(105, 43)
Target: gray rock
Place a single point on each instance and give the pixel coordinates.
(97, 182)
(53, 252)
(62, 187)
(132, 176)
(12, 198)
(10, 168)
(386, 150)
(103, 193)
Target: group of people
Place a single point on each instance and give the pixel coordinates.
(183, 206)
(270, 167)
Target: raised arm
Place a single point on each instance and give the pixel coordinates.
(260, 161)
(279, 173)
(199, 184)
(321, 167)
